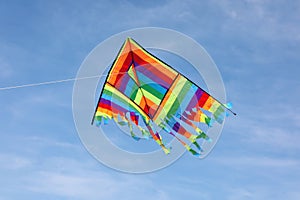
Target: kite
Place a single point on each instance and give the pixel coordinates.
(144, 92)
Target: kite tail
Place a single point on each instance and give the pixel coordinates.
(135, 118)
(131, 130)
(157, 139)
(124, 120)
(197, 115)
(188, 147)
(179, 128)
(132, 119)
(201, 134)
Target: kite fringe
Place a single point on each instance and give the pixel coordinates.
(169, 124)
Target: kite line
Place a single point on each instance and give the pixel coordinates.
(51, 82)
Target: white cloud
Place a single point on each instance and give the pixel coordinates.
(13, 162)
(76, 186)
(258, 161)
(35, 101)
(263, 19)
(49, 142)
(239, 194)
(81, 181)
(268, 123)
(261, 192)
(5, 69)
(275, 137)
(70, 173)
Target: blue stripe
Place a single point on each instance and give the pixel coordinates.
(146, 80)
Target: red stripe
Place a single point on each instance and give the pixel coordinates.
(203, 99)
(104, 105)
(153, 70)
(125, 66)
(122, 82)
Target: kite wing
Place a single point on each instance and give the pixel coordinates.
(143, 91)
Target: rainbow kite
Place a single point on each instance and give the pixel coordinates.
(143, 91)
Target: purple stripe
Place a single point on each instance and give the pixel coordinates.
(114, 107)
(143, 69)
(105, 101)
(199, 93)
(176, 126)
(122, 83)
(194, 101)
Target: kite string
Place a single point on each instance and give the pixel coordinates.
(54, 82)
(67, 80)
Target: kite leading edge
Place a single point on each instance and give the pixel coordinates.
(143, 91)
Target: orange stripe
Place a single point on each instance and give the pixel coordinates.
(104, 110)
(151, 60)
(119, 62)
(142, 103)
(182, 131)
(152, 106)
(208, 103)
(151, 103)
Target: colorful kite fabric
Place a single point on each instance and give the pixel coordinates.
(143, 91)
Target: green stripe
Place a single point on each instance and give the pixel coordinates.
(179, 98)
(133, 94)
(153, 91)
(219, 112)
(150, 96)
(176, 88)
(186, 88)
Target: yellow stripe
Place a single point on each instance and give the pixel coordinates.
(169, 99)
(150, 96)
(138, 97)
(202, 118)
(118, 93)
(104, 114)
(214, 106)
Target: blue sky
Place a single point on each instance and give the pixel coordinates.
(255, 45)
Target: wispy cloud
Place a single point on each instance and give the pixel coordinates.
(10, 161)
(278, 139)
(81, 180)
(93, 185)
(5, 69)
(61, 169)
(258, 161)
(239, 194)
(261, 127)
(261, 192)
(267, 17)
(35, 102)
